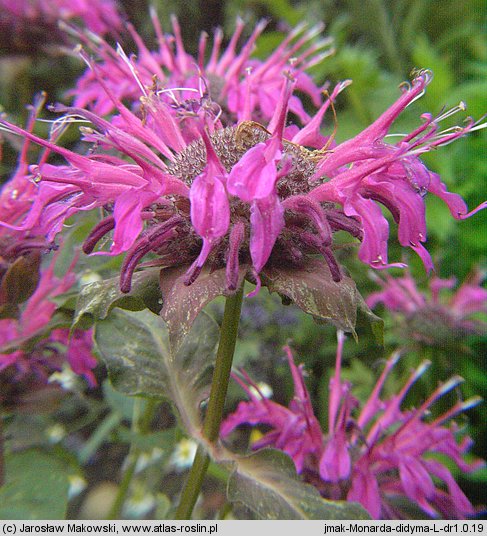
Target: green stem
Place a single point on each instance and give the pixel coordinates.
(218, 393)
(102, 432)
(140, 425)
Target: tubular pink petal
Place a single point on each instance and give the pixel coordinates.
(267, 221)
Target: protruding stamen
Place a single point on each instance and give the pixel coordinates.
(97, 233)
(151, 241)
(315, 242)
(130, 65)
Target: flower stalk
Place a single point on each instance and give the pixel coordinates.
(218, 393)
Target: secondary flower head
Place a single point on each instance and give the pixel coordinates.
(20, 250)
(199, 183)
(31, 348)
(438, 314)
(28, 21)
(375, 453)
(231, 82)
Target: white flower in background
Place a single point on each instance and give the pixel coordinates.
(263, 390)
(183, 454)
(77, 484)
(56, 433)
(66, 378)
(146, 459)
(139, 504)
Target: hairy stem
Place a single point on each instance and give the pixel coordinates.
(218, 393)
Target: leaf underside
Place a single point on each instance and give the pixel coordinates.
(266, 482)
(135, 347)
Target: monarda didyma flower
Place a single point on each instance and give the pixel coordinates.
(24, 23)
(378, 454)
(442, 314)
(201, 187)
(31, 347)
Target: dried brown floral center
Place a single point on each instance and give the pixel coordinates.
(231, 143)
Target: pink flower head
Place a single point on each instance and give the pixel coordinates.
(239, 86)
(182, 176)
(436, 314)
(38, 19)
(366, 171)
(20, 250)
(35, 348)
(374, 453)
(294, 430)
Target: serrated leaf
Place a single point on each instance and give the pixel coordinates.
(97, 299)
(313, 290)
(266, 482)
(36, 487)
(182, 304)
(135, 348)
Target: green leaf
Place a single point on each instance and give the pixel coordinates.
(182, 304)
(313, 290)
(163, 440)
(135, 348)
(97, 299)
(266, 482)
(36, 487)
(118, 402)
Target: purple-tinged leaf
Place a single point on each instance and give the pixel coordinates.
(182, 304)
(313, 290)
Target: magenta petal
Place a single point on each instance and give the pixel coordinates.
(335, 463)
(255, 174)
(80, 356)
(417, 484)
(423, 254)
(456, 204)
(365, 490)
(128, 218)
(210, 209)
(376, 231)
(267, 221)
(462, 504)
